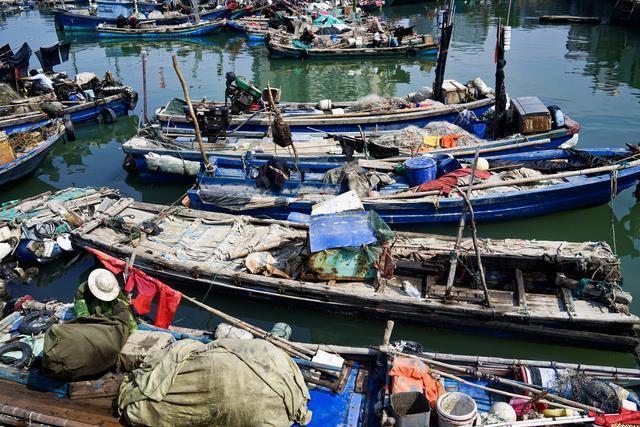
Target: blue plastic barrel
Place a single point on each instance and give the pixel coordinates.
(419, 170)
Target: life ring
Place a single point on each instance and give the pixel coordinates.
(24, 348)
(37, 322)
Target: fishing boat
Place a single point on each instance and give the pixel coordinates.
(330, 117)
(288, 47)
(82, 20)
(152, 31)
(345, 385)
(86, 98)
(256, 28)
(23, 152)
(320, 152)
(528, 283)
(524, 185)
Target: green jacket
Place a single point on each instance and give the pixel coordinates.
(86, 304)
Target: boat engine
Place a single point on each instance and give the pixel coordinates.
(213, 121)
(240, 93)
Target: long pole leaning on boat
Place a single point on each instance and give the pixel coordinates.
(453, 258)
(446, 30)
(288, 346)
(557, 401)
(192, 114)
(582, 172)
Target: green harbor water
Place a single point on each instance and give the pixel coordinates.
(591, 72)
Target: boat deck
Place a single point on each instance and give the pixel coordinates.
(82, 412)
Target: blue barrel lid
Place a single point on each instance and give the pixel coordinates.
(420, 163)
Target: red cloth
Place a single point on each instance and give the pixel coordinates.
(112, 264)
(167, 305)
(626, 416)
(446, 182)
(147, 288)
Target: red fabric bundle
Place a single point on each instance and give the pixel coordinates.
(447, 182)
(147, 288)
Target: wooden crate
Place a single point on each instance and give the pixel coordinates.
(531, 115)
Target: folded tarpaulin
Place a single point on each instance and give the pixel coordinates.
(20, 59)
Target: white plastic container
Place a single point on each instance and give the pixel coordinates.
(456, 409)
(324, 105)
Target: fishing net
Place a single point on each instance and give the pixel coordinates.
(588, 391)
(7, 94)
(375, 102)
(413, 137)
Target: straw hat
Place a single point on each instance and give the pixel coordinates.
(103, 284)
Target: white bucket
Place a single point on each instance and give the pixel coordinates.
(324, 105)
(456, 409)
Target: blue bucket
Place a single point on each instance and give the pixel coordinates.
(478, 128)
(419, 170)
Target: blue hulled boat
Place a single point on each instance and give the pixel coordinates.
(79, 21)
(578, 184)
(160, 31)
(27, 158)
(324, 153)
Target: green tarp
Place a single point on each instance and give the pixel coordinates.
(225, 383)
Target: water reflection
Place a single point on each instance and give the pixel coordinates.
(611, 55)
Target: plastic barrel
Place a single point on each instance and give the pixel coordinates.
(419, 170)
(456, 410)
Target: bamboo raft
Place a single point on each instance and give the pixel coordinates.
(529, 294)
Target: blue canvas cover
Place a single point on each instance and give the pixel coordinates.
(345, 229)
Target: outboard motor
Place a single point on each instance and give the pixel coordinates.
(240, 93)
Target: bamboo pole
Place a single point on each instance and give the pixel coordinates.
(501, 392)
(286, 345)
(494, 378)
(36, 417)
(453, 259)
(192, 113)
(581, 172)
(474, 238)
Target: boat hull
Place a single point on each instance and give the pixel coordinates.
(319, 163)
(157, 33)
(78, 113)
(278, 50)
(70, 21)
(338, 123)
(29, 163)
(578, 192)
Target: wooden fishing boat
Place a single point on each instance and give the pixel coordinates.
(152, 31)
(527, 296)
(79, 21)
(316, 152)
(286, 47)
(516, 191)
(357, 386)
(23, 152)
(303, 117)
(256, 28)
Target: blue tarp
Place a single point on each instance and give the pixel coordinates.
(346, 229)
